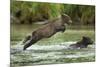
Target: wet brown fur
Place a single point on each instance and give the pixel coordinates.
(48, 30)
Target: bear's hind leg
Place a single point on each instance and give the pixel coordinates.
(27, 38)
(30, 42)
(27, 44)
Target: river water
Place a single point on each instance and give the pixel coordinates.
(53, 50)
(50, 54)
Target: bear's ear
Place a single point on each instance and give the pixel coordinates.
(64, 15)
(84, 37)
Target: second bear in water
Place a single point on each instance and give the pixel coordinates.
(83, 43)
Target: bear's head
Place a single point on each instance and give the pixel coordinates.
(66, 19)
(87, 40)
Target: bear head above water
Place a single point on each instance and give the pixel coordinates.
(83, 43)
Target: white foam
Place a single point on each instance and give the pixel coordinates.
(56, 46)
(51, 52)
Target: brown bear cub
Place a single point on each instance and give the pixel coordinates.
(49, 29)
(83, 43)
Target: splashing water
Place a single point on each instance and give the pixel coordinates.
(47, 54)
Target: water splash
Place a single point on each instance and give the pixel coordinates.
(42, 54)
